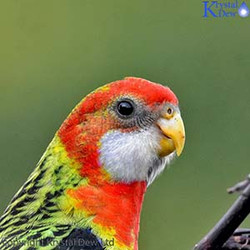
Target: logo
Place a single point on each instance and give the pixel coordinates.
(218, 9)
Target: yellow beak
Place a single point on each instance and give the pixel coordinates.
(173, 138)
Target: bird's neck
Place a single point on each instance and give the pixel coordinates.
(115, 209)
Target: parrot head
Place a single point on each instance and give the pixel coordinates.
(125, 131)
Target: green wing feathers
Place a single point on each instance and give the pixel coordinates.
(38, 212)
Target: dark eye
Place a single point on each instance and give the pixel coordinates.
(170, 111)
(125, 108)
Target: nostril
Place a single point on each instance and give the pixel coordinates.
(150, 171)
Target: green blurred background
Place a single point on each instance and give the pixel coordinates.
(52, 53)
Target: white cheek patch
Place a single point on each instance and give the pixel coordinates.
(131, 156)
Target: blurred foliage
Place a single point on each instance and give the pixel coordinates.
(53, 53)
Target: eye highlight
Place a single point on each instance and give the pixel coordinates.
(125, 108)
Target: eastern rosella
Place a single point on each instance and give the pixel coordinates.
(87, 190)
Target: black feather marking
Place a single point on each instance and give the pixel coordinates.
(7, 221)
(22, 192)
(80, 239)
(44, 161)
(58, 193)
(3, 228)
(29, 199)
(16, 247)
(20, 222)
(45, 216)
(14, 211)
(40, 176)
(19, 205)
(34, 236)
(58, 170)
(60, 232)
(32, 190)
(50, 211)
(49, 204)
(49, 196)
(46, 241)
(22, 203)
(65, 227)
(17, 232)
